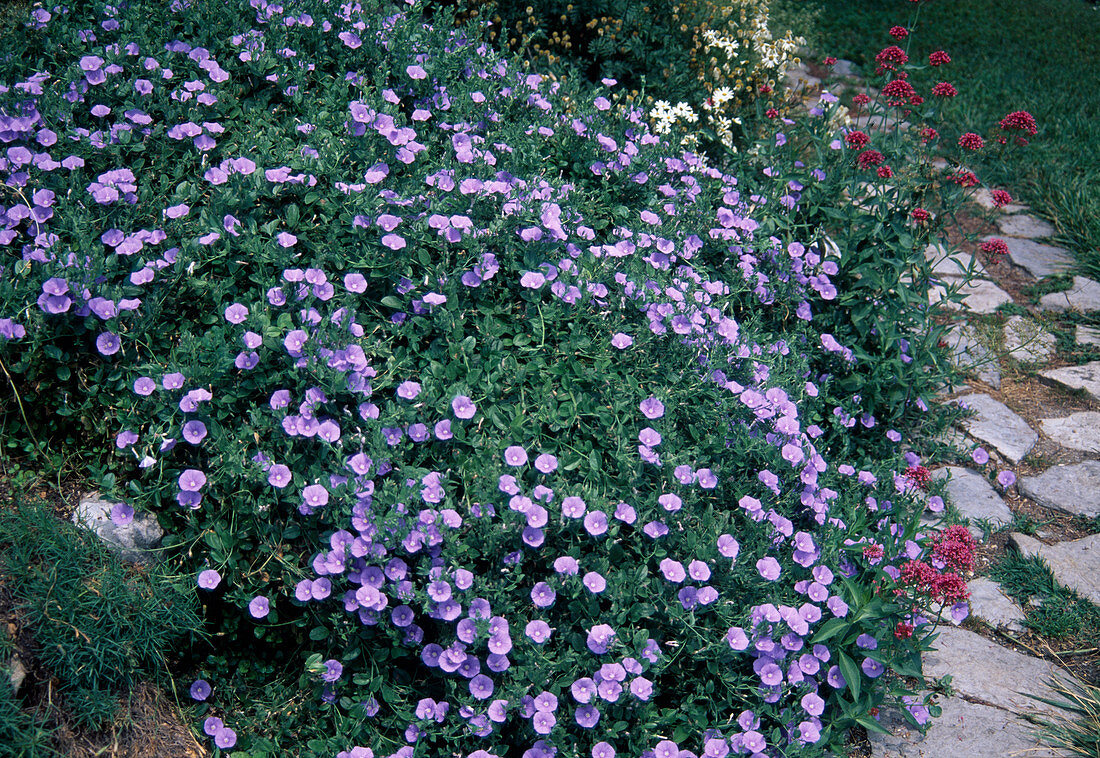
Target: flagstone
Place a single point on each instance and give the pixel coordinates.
(996, 424)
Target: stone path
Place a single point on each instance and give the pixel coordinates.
(985, 716)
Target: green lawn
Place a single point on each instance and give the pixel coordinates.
(1034, 55)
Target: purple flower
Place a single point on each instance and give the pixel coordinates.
(626, 513)
(566, 565)
(200, 689)
(603, 750)
(622, 341)
(546, 463)
(573, 507)
(587, 716)
(532, 280)
(769, 568)
(121, 514)
(515, 455)
(595, 523)
(542, 595)
(393, 241)
(652, 408)
(194, 431)
(538, 631)
(872, 668)
(481, 687)
(1006, 478)
(209, 579)
(259, 607)
(212, 724)
(286, 239)
(980, 456)
(144, 386)
(673, 570)
(333, 670)
(236, 313)
(594, 582)
(416, 72)
(408, 390)
(463, 407)
(108, 343)
(192, 480)
(315, 496)
(225, 738)
(278, 476)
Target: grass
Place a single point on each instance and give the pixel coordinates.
(1033, 55)
(1078, 733)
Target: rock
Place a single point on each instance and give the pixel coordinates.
(1027, 342)
(1071, 489)
(1024, 225)
(947, 266)
(996, 424)
(845, 68)
(17, 673)
(983, 670)
(1075, 564)
(973, 496)
(979, 296)
(1077, 431)
(800, 79)
(1038, 259)
(1085, 377)
(1083, 295)
(992, 606)
(1088, 335)
(963, 730)
(135, 542)
(983, 196)
(970, 354)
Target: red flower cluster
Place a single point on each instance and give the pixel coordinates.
(955, 547)
(830, 60)
(898, 92)
(1020, 121)
(857, 140)
(965, 178)
(996, 248)
(861, 99)
(870, 159)
(950, 589)
(888, 59)
(1000, 197)
(971, 141)
(884, 172)
(917, 574)
(938, 58)
(903, 631)
(944, 89)
(921, 216)
(873, 553)
(944, 588)
(928, 134)
(771, 113)
(899, 32)
(919, 475)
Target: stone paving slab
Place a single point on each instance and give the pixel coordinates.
(968, 353)
(954, 266)
(1028, 342)
(983, 196)
(1075, 564)
(997, 425)
(1083, 295)
(973, 496)
(1037, 259)
(983, 670)
(1077, 431)
(1071, 489)
(979, 296)
(963, 730)
(1087, 335)
(1024, 225)
(991, 605)
(1084, 377)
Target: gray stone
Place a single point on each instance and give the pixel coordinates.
(996, 424)
(1083, 295)
(973, 496)
(1027, 342)
(992, 606)
(1038, 259)
(968, 353)
(963, 730)
(983, 196)
(17, 673)
(1085, 377)
(1075, 564)
(981, 669)
(135, 542)
(960, 265)
(1077, 431)
(979, 296)
(1071, 489)
(845, 68)
(800, 79)
(1023, 225)
(1088, 335)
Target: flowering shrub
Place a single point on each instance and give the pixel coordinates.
(511, 427)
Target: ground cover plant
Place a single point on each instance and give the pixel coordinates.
(991, 41)
(485, 419)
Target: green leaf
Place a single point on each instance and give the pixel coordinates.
(851, 674)
(392, 302)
